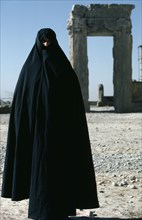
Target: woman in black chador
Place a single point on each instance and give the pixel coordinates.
(48, 156)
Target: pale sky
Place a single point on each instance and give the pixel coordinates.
(21, 20)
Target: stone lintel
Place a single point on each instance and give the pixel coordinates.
(95, 18)
(102, 10)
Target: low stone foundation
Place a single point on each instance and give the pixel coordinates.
(136, 91)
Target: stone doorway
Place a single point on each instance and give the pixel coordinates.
(103, 20)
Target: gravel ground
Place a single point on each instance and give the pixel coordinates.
(116, 142)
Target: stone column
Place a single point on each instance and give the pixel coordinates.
(79, 62)
(100, 101)
(122, 77)
(78, 51)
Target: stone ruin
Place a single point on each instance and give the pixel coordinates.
(103, 20)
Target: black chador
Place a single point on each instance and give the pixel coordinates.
(48, 155)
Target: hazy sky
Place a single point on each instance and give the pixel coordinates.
(21, 20)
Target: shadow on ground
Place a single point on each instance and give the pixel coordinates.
(103, 218)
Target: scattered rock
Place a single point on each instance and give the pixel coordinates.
(115, 184)
(132, 178)
(92, 214)
(124, 183)
(133, 187)
(101, 191)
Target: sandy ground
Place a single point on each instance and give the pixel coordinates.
(116, 141)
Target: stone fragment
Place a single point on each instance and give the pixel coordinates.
(132, 178)
(124, 183)
(133, 187)
(92, 214)
(101, 191)
(115, 184)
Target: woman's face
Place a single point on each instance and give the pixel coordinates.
(46, 42)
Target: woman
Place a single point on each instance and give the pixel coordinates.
(48, 156)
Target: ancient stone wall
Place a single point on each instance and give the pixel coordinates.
(103, 20)
(137, 91)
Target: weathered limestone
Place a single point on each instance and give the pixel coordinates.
(103, 20)
(100, 95)
(137, 91)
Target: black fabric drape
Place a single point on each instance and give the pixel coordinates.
(48, 156)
